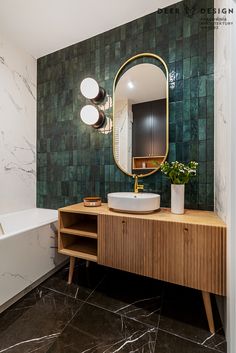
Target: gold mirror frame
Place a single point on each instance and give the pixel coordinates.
(157, 57)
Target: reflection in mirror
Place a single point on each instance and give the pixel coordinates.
(140, 119)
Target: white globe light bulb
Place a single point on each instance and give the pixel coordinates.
(89, 114)
(89, 88)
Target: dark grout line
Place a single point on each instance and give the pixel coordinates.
(122, 315)
(189, 340)
(158, 325)
(80, 307)
(62, 293)
(157, 328)
(104, 277)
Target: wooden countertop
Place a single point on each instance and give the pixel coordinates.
(190, 216)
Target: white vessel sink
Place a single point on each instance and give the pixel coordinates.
(133, 202)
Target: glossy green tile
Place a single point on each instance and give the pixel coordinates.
(179, 151)
(186, 90)
(194, 66)
(210, 195)
(194, 88)
(179, 131)
(186, 48)
(172, 132)
(186, 131)
(178, 111)
(202, 172)
(186, 68)
(178, 94)
(186, 29)
(202, 194)
(194, 45)
(210, 85)
(194, 108)
(172, 112)
(194, 129)
(210, 171)
(210, 151)
(210, 41)
(179, 70)
(172, 50)
(210, 63)
(186, 110)
(202, 151)
(179, 49)
(74, 160)
(202, 131)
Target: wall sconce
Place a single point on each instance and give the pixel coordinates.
(90, 114)
(91, 90)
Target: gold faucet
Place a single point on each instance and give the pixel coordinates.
(137, 186)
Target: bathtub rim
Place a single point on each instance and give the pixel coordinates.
(50, 220)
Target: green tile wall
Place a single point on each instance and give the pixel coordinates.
(74, 160)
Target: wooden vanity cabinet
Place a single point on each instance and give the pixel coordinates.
(189, 249)
(126, 244)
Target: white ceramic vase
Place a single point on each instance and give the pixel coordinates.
(177, 198)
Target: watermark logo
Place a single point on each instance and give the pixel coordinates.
(190, 11)
(210, 17)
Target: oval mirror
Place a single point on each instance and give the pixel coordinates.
(140, 115)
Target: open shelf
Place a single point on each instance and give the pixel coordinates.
(147, 162)
(82, 229)
(78, 224)
(82, 247)
(78, 235)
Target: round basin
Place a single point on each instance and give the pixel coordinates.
(133, 202)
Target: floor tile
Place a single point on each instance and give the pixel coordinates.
(85, 279)
(97, 330)
(167, 343)
(39, 323)
(217, 341)
(183, 314)
(14, 313)
(124, 312)
(134, 296)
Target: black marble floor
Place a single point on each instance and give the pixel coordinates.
(107, 311)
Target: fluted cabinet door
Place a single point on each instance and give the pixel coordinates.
(190, 255)
(125, 243)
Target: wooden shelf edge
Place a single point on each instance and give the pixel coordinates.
(80, 233)
(78, 254)
(149, 157)
(144, 168)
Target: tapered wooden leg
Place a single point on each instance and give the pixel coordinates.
(71, 269)
(87, 263)
(208, 308)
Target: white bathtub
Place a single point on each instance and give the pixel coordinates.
(28, 252)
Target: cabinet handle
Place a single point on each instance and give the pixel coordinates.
(123, 226)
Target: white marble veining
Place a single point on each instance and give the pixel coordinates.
(17, 129)
(123, 132)
(26, 253)
(222, 94)
(37, 339)
(224, 59)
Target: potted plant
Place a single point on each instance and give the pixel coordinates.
(179, 175)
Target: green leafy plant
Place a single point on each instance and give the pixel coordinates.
(179, 173)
